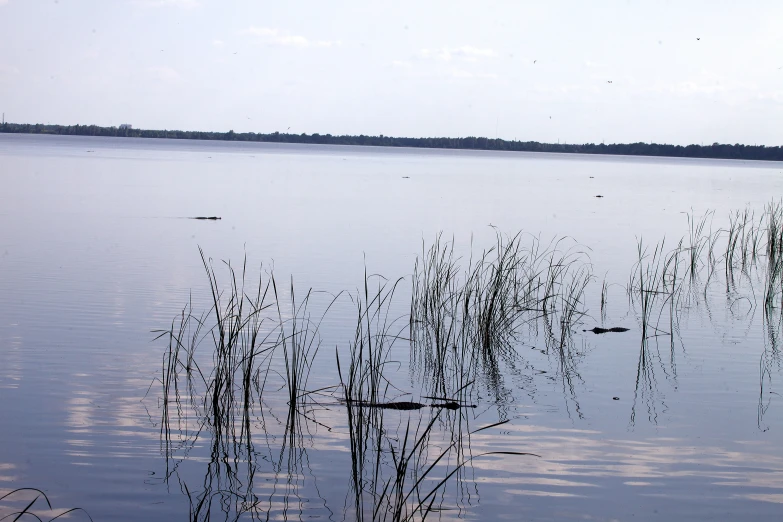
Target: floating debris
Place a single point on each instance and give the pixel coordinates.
(598, 330)
(450, 405)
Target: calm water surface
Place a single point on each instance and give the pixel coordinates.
(96, 252)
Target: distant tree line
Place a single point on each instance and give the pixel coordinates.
(716, 150)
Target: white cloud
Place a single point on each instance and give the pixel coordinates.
(163, 3)
(283, 38)
(218, 43)
(164, 74)
(8, 70)
(461, 73)
(327, 43)
(466, 52)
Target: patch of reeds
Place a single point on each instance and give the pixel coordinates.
(655, 285)
(698, 242)
(468, 316)
(248, 329)
(469, 319)
(256, 333)
(773, 288)
(22, 507)
(397, 474)
(749, 250)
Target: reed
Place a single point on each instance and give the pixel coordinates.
(30, 510)
(698, 241)
(655, 282)
(773, 286)
(465, 322)
(468, 316)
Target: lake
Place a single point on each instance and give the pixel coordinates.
(507, 405)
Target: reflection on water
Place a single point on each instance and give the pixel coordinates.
(676, 417)
(770, 364)
(22, 503)
(466, 328)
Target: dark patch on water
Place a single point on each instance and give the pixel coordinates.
(597, 330)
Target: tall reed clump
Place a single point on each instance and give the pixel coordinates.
(743, 243)
(439, 337)
(235, 331)
(396, 473)
(655, 290)
(698, 241)
(466, 320)
(238, 344)
(375, 334)
(300, 341)
(364, 383)
(774, 252)
(245, 327)
(656, 281)
(567, 275)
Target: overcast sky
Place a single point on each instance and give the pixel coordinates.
(682, 71)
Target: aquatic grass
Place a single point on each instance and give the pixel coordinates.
(394, 489)
(406, 487)
(300, 346)
(698, 240)
(28, 511)
(465, 320)
(468, 317)
(655, 287)
(654, 282)
(604, 299)
(375, 333)
(774, 251)
(245, 326)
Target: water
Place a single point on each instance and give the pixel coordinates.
(96, 252)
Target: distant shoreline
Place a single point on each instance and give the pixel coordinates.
(714, 151)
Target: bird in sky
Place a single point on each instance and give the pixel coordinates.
(697, 39)
(608, 81)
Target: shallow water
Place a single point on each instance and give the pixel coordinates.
(96, 251)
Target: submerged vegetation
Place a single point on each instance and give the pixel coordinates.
(716, 150)
(239, 374)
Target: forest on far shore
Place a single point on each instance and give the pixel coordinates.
(716, 150)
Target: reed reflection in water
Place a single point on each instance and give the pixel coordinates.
(246, 410)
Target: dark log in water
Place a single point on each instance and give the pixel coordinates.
(450, 405)
(598, 330)
(211, 218)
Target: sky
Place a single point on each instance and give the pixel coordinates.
(685, 71)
